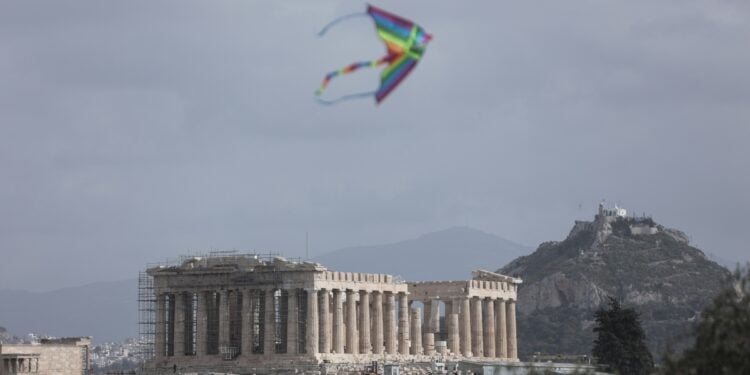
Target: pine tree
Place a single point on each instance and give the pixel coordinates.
(620, 343)
(722, 344)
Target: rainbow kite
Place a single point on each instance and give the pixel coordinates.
(405, 43)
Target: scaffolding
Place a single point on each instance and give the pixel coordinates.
(146, 316)
(301, 322)
(235, 325)
(258, 311)
(189, 303)
(281, 312)
(212, 322)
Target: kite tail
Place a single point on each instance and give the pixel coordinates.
(360, 95)
(338, 20)
(348, 69)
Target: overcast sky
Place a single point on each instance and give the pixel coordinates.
(134, 131)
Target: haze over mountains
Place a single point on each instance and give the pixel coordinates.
(449, 254)
(108, 311)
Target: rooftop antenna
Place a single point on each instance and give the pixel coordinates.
(307, 246)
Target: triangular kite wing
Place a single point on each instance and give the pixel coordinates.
(405, 42)
(393, 75)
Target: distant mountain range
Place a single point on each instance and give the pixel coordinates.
(449, 254)
(109, 311)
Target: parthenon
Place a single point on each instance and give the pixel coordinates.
(245, 311)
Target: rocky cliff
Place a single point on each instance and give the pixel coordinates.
(645, 265)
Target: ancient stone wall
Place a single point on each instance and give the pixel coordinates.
(68, 358)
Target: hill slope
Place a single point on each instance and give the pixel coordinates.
(449, 254)
(106, 311)
(657, 272)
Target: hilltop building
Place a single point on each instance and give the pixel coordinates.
(612, 214)
(250, 314)
(65, 356)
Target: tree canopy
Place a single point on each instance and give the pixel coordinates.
(620, 341)
(722, 343)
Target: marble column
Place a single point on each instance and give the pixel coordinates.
(160, 349)
(434, 316)
(465, 327)
(312, 322)
(338, 322)
(389, 320)
(201, 324)
(269, 324)
(489, 328)
(292, 322)
(511, 319)
(223, 319)
(181, 310)
(247, 322)
(453, 336)
(501, 345)
(428, 342)
(427, 326)
(171, 316)
(477, 335)
(364, 322)
(325, 322)
(351, 323)
(377, 334)
(416, 331)
(403, 324)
